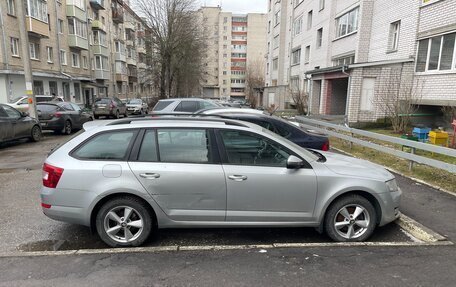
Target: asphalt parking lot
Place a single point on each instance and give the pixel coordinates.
(27, 229)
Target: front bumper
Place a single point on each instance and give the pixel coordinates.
(390, 202)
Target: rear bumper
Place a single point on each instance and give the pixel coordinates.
(67, 214)
(55, 125)
(103, 112)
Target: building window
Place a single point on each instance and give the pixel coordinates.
(296, 57)
(321, 5)
(269, 26)
(75, 60)
(38, 9)
(275, 64)
(346, 60)
(277, 18)
(38, 88)
(309, 20)
(77, 3)
(77, 27)
(295, 83)
(437, 54)
(14, 42)
(275, 42)
(367, 94)
(85, 63)
(347, 23)
(393, 39)
(63, 58)
(319, 37)
(101, 63)
(307, 55)
(297, 26)
(298, 2)
(11, 7)
(60, 26)
(34, 51)
(99, 38)
(50, 54)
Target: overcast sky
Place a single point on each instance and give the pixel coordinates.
(239, 6)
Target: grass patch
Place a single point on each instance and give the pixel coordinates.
(434, 176)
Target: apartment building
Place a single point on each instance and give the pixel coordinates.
(79, 49)
(351, 56)
(234, 42)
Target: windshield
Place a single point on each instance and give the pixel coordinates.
(135, 102)
(16, 99)
(103, 101)
(46, 107)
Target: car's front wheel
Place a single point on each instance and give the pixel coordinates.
(36, 134)
(350, 218)
(124, 221)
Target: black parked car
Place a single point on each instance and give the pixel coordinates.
(279, 126)
(62, 117)
(16, 125)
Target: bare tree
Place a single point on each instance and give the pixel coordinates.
(299, 96)
(175, 45)
(399, 99)
(254, 79)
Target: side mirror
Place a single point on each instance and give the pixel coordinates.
(294, 162)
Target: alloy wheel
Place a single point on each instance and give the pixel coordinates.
(351, 221)
(123, 224)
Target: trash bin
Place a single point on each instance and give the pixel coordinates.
(438, 138)
(421, 133)
(408, 137)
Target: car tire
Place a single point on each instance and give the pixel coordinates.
(111, 216)
(116, 115)
(96, 117)
(351, 218)
(36, 134)
(67, 128)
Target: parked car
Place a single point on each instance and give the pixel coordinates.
(21, 103)
(124, 178)
(17, 125)
(109, 107)
(182, 106)
(137, 107)
(275, 124)
(62, 117)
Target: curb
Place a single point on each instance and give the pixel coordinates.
(401, 174)
(418, 230)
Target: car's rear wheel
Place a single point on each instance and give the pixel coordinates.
(350, 218)
(36, 134)
(124, 221)
(68, 128)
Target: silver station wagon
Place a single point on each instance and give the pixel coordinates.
(130, 177)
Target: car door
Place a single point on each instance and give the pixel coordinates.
(82, 118)
(6, 126)
(72, 114)
(181, 171)
(121, 105)
(260, 188)
(20, 126)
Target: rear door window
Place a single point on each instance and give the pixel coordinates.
(106, 146)
(187, 106)
(184, 145)
(161, 105)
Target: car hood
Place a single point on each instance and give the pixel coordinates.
(350, 166)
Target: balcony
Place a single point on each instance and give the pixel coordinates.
(102, 75)
(130, 42)
(37, 27)
(75, 41)
(117, 15)
(121, 77)
(75, 11)
(129, 26)
(98, 25)
(97, 4)
(98, 49)
(131, 61)
(132, 75)
(142, 66)
(141, 49)
(120, 57)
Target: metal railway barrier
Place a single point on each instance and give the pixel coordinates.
(333, 130)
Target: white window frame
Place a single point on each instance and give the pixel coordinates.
(307, 55)
(34, 49)
(60, 26)
(50, 54)
(297, 26)
(296, 57)
(367, 95)
(11, 7)
(85, 62)
(428, 54)
(309, 20)
(321, 5)
(63, 57)
(37, 9)
(344, 19)
(275, 64)
(14, 43)
(394, 34)
(77, 63)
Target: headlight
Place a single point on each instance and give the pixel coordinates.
(392, 185)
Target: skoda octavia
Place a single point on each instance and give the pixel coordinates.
(129, 178)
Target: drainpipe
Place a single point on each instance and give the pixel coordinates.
(5, 54)
(347, 102)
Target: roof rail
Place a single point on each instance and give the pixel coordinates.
(181, 117)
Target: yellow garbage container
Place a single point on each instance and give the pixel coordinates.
(438, 138)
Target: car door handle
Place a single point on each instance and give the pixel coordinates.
(149, 175)
(237, 177)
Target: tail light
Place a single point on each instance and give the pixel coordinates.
(51, 175)
(325, 146)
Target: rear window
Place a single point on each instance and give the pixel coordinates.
(187, 106)
(47, 108)
(103, 101)
(161, 105)
(106, 146)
